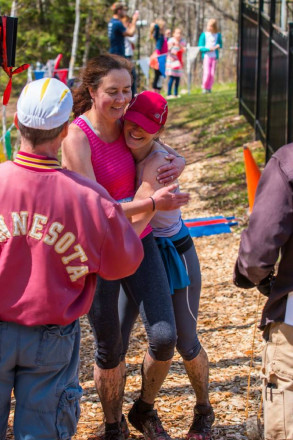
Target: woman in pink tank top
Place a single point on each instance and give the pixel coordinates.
(95, 147)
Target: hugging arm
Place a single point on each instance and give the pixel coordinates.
(164, 197)
(172, 167)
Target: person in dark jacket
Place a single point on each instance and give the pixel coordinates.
(267, 246)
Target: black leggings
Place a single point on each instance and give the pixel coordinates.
(158, 79)
(148, 294)
(185, 305)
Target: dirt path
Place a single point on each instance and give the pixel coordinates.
(226, 326)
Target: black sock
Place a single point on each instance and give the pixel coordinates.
(112, 426)
(143, 406)
(204, 409)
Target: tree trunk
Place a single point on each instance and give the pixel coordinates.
(87, 39)
(197, 10)
(221, 10)
(188, 23)
(13, 12)
(202, 21)
(75, 39)
(40, 7)
(173, 14)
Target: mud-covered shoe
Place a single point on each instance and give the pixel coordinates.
(115, 434)
(124, 427)
(201, 427)
(148, 423)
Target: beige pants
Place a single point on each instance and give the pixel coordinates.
(277, 376)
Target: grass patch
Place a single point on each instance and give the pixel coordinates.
(217, 134)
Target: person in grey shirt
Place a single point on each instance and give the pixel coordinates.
(267, 246)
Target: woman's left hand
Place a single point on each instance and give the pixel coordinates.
(171, 171)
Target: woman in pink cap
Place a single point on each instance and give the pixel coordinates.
(95, 147)
(144, 121)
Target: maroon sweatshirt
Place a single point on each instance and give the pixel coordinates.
(58, 229)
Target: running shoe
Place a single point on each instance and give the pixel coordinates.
(148, 423)
(115, 434)
(201, 428)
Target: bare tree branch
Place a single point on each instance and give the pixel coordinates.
(223, 13)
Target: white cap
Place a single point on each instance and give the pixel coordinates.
(44, 104)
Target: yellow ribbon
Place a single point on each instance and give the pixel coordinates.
(2, 155)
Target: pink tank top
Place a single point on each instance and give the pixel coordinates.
(113, 164)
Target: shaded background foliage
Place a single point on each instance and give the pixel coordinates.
(45, 28)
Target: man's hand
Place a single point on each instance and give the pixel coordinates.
(172, 170)
(240, 280)
(265, 286)
(166, 200)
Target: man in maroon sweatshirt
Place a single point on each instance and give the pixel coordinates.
(58, 230)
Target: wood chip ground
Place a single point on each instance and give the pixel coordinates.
(226, 326)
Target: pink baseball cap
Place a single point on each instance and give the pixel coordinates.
(149, 110)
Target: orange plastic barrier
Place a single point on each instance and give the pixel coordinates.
(252, 175)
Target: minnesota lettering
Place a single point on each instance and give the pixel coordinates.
(62, 242)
